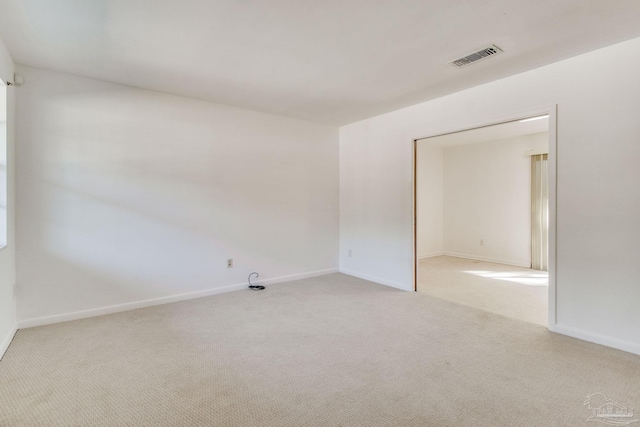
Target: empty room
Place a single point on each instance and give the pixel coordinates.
(209, 213)
(482, 218)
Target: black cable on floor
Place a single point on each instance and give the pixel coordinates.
(255, 287)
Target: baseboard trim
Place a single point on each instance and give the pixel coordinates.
(292, 277)
(606, 341)
(488, 259)
(100, 311)
(4, 345)
(430, 255)
(376, 280)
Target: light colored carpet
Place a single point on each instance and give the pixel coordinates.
(520, 293)
(327, 351)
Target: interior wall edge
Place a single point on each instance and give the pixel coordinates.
(515, 263)
(4, 344)
(378, 280)
(595, 338)
(118, 308)
(8, 252)
(430, 255)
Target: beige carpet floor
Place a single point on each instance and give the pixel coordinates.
(327, 351)
(520, 293)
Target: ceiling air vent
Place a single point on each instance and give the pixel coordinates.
(476, 56)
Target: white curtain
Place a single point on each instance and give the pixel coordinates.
(539, 212)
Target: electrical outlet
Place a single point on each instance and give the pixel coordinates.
(349, 253)
(230, 263)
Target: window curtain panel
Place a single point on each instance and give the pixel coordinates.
(539, 212)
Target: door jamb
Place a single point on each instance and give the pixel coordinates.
(552, 110)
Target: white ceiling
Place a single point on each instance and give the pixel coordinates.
(329, 61)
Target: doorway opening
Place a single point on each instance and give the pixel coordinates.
(482, 204)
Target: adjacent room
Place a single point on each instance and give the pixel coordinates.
(216, 213)
(482, 218)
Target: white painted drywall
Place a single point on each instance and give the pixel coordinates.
(3, 164)
(128, 197)
(487, 199)
(598, 202)
(429, 199)
(8, 252)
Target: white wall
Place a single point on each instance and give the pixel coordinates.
(598, 202)
(3, 164)
(429, 199)
(7, 253)
(487, 199)
(129, 197)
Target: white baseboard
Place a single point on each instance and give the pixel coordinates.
(430, 255)
(4, 344)
(100, 311)
(390, 283)
(606, 341)
(489, 259)
(292, 277)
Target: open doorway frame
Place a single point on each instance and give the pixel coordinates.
(552, 177)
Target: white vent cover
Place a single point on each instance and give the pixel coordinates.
(476, 56)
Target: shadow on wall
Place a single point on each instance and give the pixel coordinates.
(133, 194)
